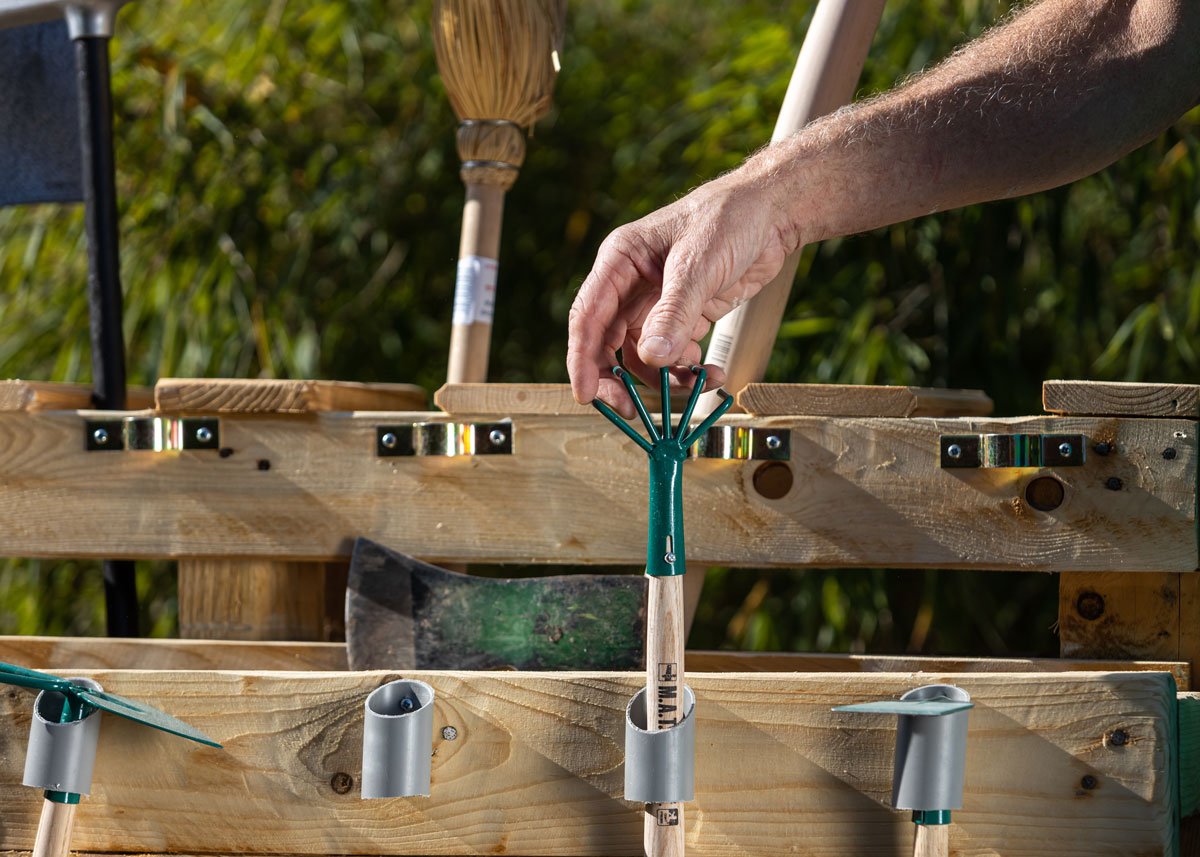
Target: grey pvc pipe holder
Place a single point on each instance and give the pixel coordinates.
(931, 753)
(61, 756)
(85, 18)
(398, 740)
(660, 767)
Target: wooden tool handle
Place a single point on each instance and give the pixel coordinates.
(665, 638)
(469, 342)
(932, 840)
(54, 829)
(824, 79)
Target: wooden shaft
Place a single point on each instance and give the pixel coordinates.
(932, 840)
(824, 79)
(663, 832)
(54, 829)
(483, 215)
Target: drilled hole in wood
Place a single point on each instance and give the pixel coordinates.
(1045, 493)
(773, 480)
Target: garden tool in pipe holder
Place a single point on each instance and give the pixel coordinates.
(63, 737)
(498, 61)
(402, 613)
(89, 24)
(931, 753)
(827, 70)
(669, 704)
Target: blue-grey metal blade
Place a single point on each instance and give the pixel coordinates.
(39, 116)
(927, 707)
(144, 714)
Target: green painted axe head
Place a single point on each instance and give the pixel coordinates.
(80, 699)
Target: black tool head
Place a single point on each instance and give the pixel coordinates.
(402, 613)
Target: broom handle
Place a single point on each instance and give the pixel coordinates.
(664, 675)
(826, 73)
(483, 214)
(932, 840)
(54, 829)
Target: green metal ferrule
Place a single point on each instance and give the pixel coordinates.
(667, 450)
(61, 797)
(931, 816)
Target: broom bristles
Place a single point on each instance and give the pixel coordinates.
(498, 57)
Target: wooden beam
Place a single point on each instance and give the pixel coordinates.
(535, 767)
(868, 492)
(1116, 398)
(277, 396)
(55, 396)
(860, 400)
(1116, 615)
(114, 653)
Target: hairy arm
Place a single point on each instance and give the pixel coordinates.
(1062, 89)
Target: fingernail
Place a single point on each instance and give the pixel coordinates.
(656, 346)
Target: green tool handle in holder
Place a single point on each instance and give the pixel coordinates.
(667, 450)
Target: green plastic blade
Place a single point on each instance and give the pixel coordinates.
(936, 707)
(143, 714)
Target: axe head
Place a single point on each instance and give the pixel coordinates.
(39, 116)
(402, 613)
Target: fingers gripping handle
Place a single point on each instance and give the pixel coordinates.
(667, 450)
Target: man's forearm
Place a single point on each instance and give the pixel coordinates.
(1060, 91)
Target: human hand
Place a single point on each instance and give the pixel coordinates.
(659, 283)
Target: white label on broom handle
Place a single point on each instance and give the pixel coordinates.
(475, 290)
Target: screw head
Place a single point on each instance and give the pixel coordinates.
(1112, 483)
(341, 782)
(1103, 448)
(1169, 453)
(669, 557)
(388, 440)
(100, 436)
(449, 733)
(204, 434)
(773, 441)
(1066, 450)
(1089, 782)
(497, 437)
(954, 451)
(408, 704)
(1118, 738)
(1090, 605)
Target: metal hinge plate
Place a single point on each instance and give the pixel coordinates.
(444, 439)
(1013, 450)
(744, 443)
(154, 434)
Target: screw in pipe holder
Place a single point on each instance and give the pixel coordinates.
(667, 450)
(931, 749)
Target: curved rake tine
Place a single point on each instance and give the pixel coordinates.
(697, 389)
(718, 412)
(615, 419)
(664, 381)
(637, 402)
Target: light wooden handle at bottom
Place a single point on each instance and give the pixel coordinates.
(54, 829)
(663, 832)
(932, 840)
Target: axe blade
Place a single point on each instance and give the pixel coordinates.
(39, 116)
(402, 613)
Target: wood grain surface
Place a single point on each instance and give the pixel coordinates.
(1121, 398)
(855, 400)
(280, 396)
(535, 767)
(16, 395)
(867, 492)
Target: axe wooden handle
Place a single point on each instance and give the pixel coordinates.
(663, 833)
(932, 840)
(54, 829)
(824, 79)
(483, 214)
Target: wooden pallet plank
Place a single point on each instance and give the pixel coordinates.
(1117, 615)
(861, 400)
(281, 396)
(17, 395)
(1121, 398)
(535, 767)
(867, 492)
(115, 653)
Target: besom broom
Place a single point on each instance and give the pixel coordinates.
(498, 60)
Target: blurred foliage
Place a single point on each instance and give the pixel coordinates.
(291, 208)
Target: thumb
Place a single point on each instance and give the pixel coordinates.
(688, 283)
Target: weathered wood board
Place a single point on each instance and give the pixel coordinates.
(16, 395)
(280, 396)
(116, 653)
(536, 767)
(861, 400)
(1121, 398)
(866, 492)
